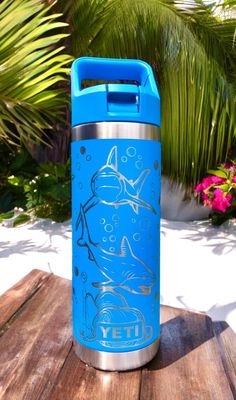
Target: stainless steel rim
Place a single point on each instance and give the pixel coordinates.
(124, 361)
(116, 130)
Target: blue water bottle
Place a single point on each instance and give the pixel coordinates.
(116, 167)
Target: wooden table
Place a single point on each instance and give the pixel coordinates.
(196, 360)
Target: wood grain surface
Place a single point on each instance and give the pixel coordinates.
(188, 365)
(15, 297)
(196, 360)
(34, 348)
(80, 382)
(227, 344)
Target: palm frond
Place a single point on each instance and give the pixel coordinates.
(192, 52)
(32, 66)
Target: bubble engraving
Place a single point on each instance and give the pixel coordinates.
(139, 164)
(131, 152)
(83, 276)
(108, 228)
(82, 150)
(115, 217)
(136, 237)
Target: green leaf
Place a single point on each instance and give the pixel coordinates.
(21, 219)
(6, 215)
(15, 180)
(224, 187)
(47, 182)
(32, 64)
(60, 170)
(46, 168)
(60, 193)
(220, 174)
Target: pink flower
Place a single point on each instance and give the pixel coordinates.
(198, 188)
(216, 180)
(211, 180)
(206, 199)
(218, 192)
(229, 165)
(206, 183)
(221, 202)
(234, 179)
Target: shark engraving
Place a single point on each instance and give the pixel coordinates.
(124, 270)
(113, 188)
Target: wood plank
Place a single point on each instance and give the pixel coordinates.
(37, 360)
(188, 365)
(34, 348)
(227, 343)
(80, 382)
(16, 296)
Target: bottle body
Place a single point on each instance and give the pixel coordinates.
(116, 243)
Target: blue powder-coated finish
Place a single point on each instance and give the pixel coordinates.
(114, 102)
(116, 244)
(115, 210)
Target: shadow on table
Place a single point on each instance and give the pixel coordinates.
(23, 246)
(221, 312)
(180, 336)
(221, 239)
(51, 228)
(218, 312)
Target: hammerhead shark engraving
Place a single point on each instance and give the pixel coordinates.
(123, 270)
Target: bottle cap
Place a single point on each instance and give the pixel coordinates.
(136, 101)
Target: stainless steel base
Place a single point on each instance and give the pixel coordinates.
(108, 361)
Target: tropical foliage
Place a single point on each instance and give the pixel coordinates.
(32, 65)
(47, 194)
(39, 190)
(192, 51)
